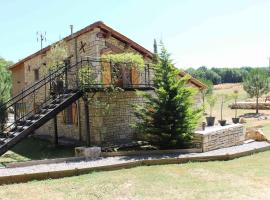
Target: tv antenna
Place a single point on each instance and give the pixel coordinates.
(41, 36)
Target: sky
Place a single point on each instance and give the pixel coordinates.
(213, 33)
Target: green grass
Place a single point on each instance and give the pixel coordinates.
(35, 149)
(243, 178)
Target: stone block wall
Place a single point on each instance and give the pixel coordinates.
(221, 136)
(111, 117)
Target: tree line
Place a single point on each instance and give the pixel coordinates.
(221, 75)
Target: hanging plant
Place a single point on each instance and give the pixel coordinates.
(130, 59)
(86, 76)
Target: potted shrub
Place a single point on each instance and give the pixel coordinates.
(235, 96)
(223, 98)
(211, 100)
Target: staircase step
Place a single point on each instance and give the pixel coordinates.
(28, 122)
(56, 101)
(21, 129)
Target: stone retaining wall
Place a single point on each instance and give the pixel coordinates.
(250, 105)
(221, 136)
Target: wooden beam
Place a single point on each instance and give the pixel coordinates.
(87, 121)
(55, 131)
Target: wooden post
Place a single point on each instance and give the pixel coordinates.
(55, 131)
(87, 122)
(79, 119)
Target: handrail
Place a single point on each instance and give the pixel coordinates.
(32, 86)
(63, 69)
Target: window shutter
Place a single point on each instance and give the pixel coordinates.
(74, 114)
(64, 116)
(106, 73)
(135, 75)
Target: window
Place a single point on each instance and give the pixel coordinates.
(68, 113)
(36, 74)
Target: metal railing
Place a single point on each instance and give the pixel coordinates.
(86, 75)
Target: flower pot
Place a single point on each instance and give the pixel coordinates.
(210, 121)
(222, 122)
(236, 120)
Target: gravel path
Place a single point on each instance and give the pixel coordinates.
(124, 159)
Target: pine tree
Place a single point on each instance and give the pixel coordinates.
(155, 58)
(168, 118)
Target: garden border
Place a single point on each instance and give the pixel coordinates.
(79, 171)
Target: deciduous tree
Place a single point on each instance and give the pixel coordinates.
(257, 83)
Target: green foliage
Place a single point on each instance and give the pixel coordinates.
(57, 54)
(5, 89)
(86, 75)
(257, 83)
(155, 58)
(235, 96)
(208, 91)
(211, 100)
(168, 118)
(204, 73)
(128, 58)
(223, 98)
(220, 75)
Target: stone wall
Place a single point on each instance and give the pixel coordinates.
(111, 116)
(220, 136)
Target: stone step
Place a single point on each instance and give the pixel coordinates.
(248, 141)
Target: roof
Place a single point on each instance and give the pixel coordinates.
(102, 26)
(194, 81)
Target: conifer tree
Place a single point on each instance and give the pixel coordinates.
(168, 117)
(155, 58)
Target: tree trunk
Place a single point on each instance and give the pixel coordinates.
(257, 105)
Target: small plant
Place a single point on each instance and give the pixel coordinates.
(235, 96)
(223, 98)
(87, 76)
(211, 100)
(206, 92)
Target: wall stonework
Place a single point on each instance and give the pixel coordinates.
(110, 118)
(221, 136)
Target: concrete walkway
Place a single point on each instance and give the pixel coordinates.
(127, 161)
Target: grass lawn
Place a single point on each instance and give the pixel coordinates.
(35, 149)
(243, 178)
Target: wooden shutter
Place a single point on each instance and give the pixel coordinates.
(74, 114)
(135, 75)
(64, 116)
(106, 73)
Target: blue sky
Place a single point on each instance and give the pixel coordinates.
(214, 33)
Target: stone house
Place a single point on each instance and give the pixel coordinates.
(106, 126)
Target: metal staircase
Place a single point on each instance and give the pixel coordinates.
(44, 99)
